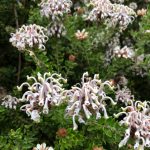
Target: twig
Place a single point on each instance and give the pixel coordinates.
(19, 57)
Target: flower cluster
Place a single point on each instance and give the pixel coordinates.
(45, 92)
(10, 102)
(29, 36)
(137, 119)
(57, 29)
(55, 10)
(88, 99)
(81, 35)
(112, 13)
(124, 95)
(42, 147)
(124, 52)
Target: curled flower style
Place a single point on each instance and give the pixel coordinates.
(137, 120)
(42, 147)
(55, 9)
(124, 95)
(124, 52)
(81, 35)
(10, 102)
(45, 92)
(88, 99)
(113, 13)
(28, 37)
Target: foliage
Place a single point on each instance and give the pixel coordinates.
(71, 56)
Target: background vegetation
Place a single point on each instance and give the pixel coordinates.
(70, 57)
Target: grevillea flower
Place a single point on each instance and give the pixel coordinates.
(88, 99)
(124, 52)
(9, 102)
(55, 9)
(124, 95)
(28, 37)
(81, 35)
(113, 13)
(42, 147)
(43, 93)
(56, 29)
(137, 119)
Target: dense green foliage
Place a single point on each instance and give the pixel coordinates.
(71, 58)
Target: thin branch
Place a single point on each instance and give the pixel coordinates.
(19, 57)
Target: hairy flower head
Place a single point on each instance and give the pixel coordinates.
(28, 37)
(87, 99)
(44, 92)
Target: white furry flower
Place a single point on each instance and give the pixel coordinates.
(10, 102)
(43, 93)
(55, 9)
(125, 52)
(88, 99)
(137, 120)
(113, 14)
(56, 29)
(124, 95)
(28, 37)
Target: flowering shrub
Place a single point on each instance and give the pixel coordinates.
(106, 39)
